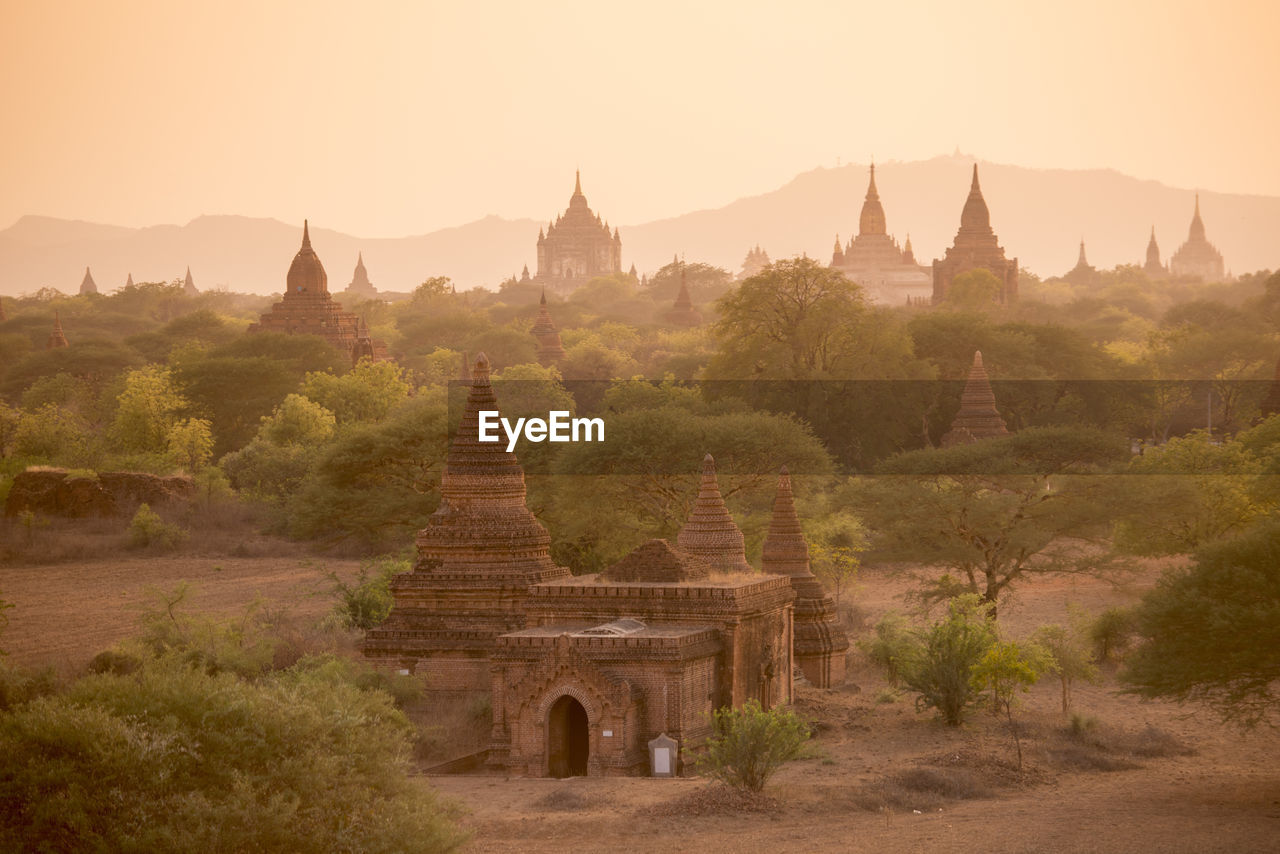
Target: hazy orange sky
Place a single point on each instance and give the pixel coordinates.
(386, 119)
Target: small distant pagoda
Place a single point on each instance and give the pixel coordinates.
(360, 284)
(1082, 273)
(87, 284)
(309, 309)
(57, 339)
(189, 285)
(1152, 267)
(550, 350)
(976, 247)
(978, 417)
(820, 644)
(683, 313)
(1197, 258)
(755, 261)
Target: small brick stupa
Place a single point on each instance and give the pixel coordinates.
(550, 350)
(57, 339)
(309, 309)
(682, 313)
(477, 557)
(820, 644)
(978, 417)
(710, 532)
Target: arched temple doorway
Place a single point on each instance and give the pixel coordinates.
(568, 739)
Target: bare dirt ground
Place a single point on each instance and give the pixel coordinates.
(66, 613)
(1222, 797)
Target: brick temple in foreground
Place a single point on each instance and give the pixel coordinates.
(583, 671)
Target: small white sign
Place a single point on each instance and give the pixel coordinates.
(662, 761)
(608, 733)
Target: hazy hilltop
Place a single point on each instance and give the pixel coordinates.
(1040, 216)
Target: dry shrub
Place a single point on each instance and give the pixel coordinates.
(1086, 745)
(715, 799)
(565, 799)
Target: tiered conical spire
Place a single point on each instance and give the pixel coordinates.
(1082, 261)
(482, 526)
(189, 285)
(57, 339)
(872, 220)
(978, 417)
(306, 273)
(128, 282)
(820, 643)
(87, 284)
(710, 532)
(550, 348)
(975, 218)
(1196, 232)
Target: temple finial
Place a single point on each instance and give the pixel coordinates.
(306, 234)
(974, 186)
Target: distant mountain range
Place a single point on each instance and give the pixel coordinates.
(1040, 216)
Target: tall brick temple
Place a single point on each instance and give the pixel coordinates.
(308, 308)
(976, 247)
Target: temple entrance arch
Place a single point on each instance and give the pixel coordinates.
(568, 739)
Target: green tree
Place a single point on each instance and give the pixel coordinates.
(794, 317)
(1006, 669)
(749, 744)
(272, 466)
(190, 444)
(147, 410)
(367, 393)
(996, 511)
(938, 666)
(174, 759)
(705, 282)
(1071, 649)
(974, 289)
(1211, 633)
(1186, 493)
(53, 435)
(376, 483)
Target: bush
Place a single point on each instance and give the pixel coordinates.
(148, 529)
(1112, 632)
(367, 601)
(939, 664)
(175, 759)
(749, 744)
(1072, 652)
(890, 646)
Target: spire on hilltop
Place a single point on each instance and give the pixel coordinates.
(710, 532)
(1082, 261)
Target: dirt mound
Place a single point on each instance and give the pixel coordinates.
(57, 492)
(715, 799)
